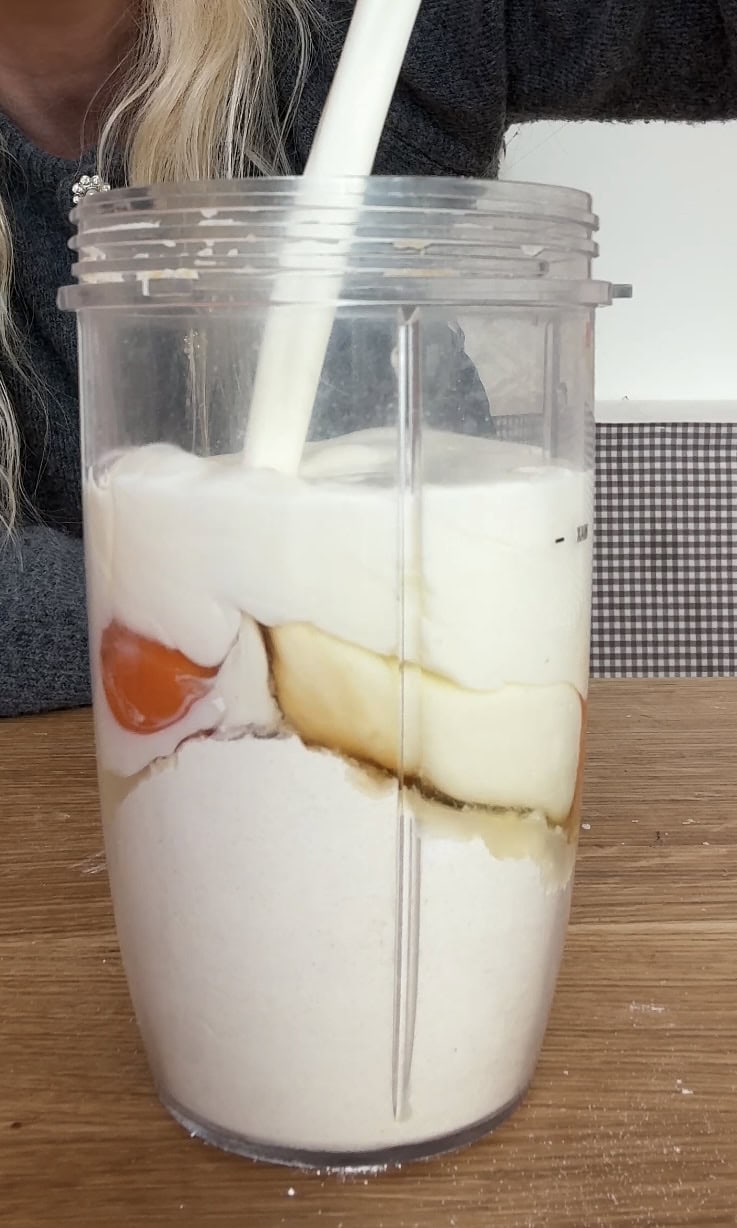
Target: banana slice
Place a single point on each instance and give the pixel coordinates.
(517, 747)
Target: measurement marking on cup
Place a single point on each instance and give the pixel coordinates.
(582, 534)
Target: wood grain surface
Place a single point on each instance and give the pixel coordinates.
(632, 1119)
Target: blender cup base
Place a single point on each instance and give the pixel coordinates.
(345, 1161)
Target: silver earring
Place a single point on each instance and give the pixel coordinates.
(88, 185)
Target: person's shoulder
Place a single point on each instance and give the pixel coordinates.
(448, 115)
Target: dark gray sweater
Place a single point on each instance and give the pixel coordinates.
(474, 67)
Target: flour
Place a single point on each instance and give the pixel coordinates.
(254, 890)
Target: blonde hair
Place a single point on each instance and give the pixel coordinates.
(199, 102)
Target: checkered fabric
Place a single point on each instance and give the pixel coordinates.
(665, 547)
(665, 559)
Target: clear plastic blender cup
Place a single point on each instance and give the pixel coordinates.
(340, 712)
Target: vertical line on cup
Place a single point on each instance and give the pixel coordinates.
(409, 586)
(195, 350)
(551, 379)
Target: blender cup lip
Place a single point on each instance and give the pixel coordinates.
(338, 242)
(179, 290)
(418, 191)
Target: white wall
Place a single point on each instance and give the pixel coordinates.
(666, 195)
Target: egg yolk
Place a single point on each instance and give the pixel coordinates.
(148, 686)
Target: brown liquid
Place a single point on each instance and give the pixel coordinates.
(317, 716)
(572, 825)
(347, 700)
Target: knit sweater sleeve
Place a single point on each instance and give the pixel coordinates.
(621, 59)
(43, 632)
(476, 66)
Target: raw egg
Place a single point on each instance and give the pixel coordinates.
(148, 686)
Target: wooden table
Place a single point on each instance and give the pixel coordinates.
(632, 1119)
